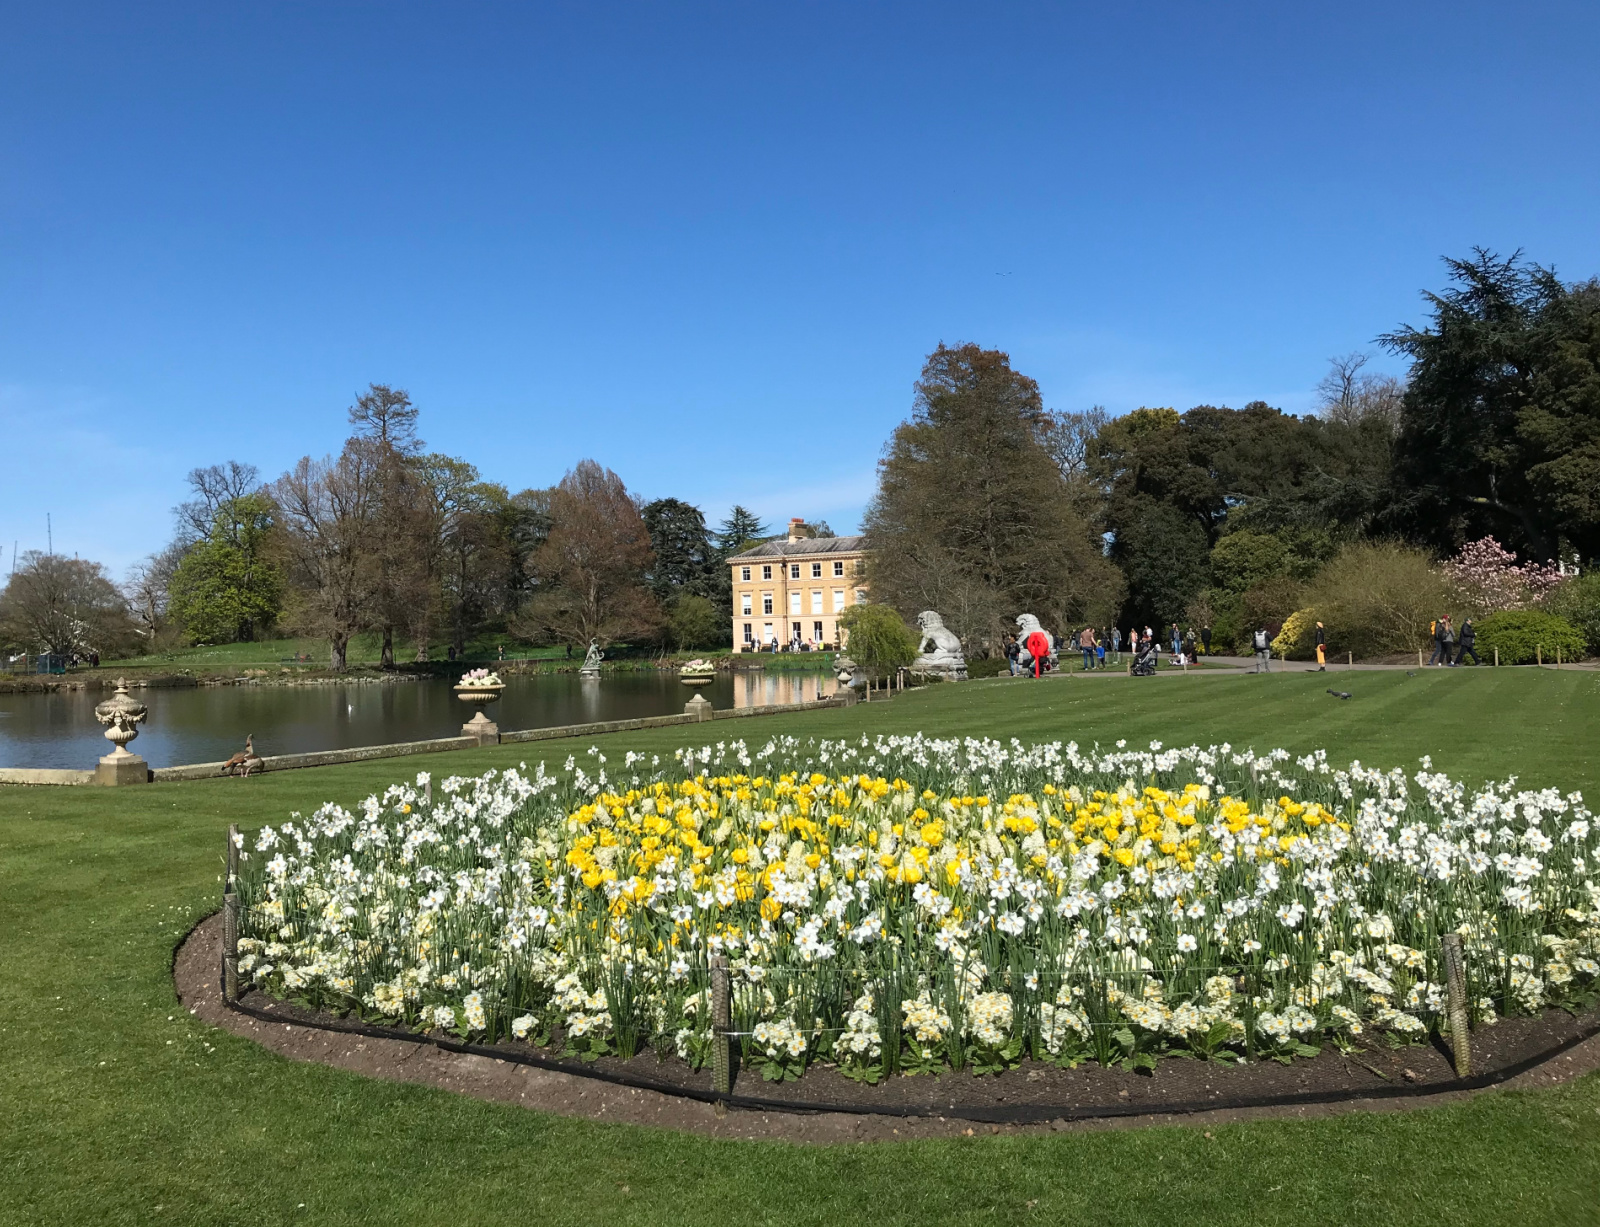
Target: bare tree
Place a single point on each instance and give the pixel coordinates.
(593, 566)
(146, 590)
(213, 486)
(327, 509)
(1351, 395)
(1066, 435)
(63, 605)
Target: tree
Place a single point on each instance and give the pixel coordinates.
(685, 561)
(693, 622)
(742, 528)
(1349, 395)
(385, 425)
(147, 591)
(213, 486)
(971, 516)
(228, 587)
(1175, 484)
(592, 568)
(54, 604)
(879, 639)
(326, 512)
(1500, 428)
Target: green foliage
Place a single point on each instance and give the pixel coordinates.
(879, 639)
(227, 588)
(1245, 558)
(1521, 635)
(685, 561)
(693, 622)
(1578, 601)
(1379, 597)
(972, 517)
(1500, 429)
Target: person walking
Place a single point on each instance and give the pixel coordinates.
(1469, 635)
(1086, 646)
(1447, 641)
(1177, 643)
(1189, 652)
(1116, 645)
(1438, 657)
(1263, 647)
(1322, 649)
(1205, 638)
(1012, 654)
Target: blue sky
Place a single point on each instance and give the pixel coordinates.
(710, 245)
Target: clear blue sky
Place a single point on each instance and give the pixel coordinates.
(710, 245)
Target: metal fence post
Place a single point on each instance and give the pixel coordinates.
(1455, 968)
(721, 1025)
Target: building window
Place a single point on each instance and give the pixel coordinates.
(816, 570)
(861, 596)
(816, 600)
(816, 632)
(838, 600)
(744, 599)
(766, 571)
(766, 632)
(794, 602)
(796, 636)
(744, 574)
(748, 637)
(766, 602)
(838, 568)
(794, 570)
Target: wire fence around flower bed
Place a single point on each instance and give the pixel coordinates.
(905, 905)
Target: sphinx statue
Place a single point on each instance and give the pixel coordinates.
(939, 649)
(1038, 646)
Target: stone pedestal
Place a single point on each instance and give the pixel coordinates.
(485, 730)
(122, 768)
(698, 708)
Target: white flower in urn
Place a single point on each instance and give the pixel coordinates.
(476, 679)
(697, 672)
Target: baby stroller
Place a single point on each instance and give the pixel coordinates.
(1144, 664)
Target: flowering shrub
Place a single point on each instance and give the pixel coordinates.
(908, 904)
(1487, 578)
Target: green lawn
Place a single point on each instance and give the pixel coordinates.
(114, 1112)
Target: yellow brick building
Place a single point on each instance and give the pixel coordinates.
(793, 591)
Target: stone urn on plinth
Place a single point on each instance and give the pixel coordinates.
(480, 688)
(121, 714)
(697, 673)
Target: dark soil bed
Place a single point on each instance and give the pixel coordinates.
(1517, 1051)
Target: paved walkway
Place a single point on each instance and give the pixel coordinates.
(1232, 666)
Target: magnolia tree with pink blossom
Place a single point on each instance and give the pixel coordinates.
(1488, 578)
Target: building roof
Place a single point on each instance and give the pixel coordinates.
(806, 546)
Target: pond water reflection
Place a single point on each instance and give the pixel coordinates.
(209, 723)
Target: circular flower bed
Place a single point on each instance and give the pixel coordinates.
(906, 904)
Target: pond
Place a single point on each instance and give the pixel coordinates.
(207, 724)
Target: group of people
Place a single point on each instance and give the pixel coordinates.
(1446, 641)
(1102, 646)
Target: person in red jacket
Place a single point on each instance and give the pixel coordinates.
(1038, 646)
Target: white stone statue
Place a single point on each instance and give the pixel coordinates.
(591, 661)
(1028, 626)
(945, 658)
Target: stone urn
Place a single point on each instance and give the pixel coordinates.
(480, 688)
(121, 714)
(697, 673)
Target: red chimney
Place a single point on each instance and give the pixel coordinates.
(795, 525)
